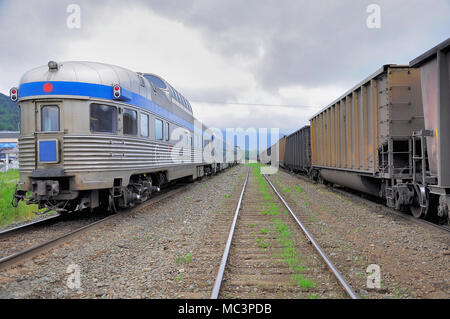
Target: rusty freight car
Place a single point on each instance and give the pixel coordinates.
(363, 140)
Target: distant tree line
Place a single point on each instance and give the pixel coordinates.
(9, 114)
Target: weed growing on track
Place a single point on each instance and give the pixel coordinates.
(262, 243)
(299, 189)
(288, 253)
(9, 214)
(184, 259)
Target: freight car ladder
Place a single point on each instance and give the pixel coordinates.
(420, 160)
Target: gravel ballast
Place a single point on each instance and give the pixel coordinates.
(146, 254)
(355, 233)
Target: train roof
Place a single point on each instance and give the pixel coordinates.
(430, 54)
(164, 85)
(363, 82)
(88, 72)
(101, 74)
(301, 129)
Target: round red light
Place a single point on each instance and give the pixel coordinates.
(13, 92)
(116, 88)
(48, 87)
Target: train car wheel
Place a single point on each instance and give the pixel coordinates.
(419, 208)
(111, 204)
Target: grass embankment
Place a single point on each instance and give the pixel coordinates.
(8, 213)
(284, 236)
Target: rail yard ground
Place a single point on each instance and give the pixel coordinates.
(173, 249)
(355, 233)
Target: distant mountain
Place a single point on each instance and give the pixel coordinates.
(9, 114)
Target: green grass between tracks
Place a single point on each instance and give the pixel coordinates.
(288, 252)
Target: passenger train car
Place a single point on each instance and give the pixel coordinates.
(98, 135)
(388, 136)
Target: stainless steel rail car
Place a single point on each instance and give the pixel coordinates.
(432, 144)
(297, 156)
(94, 134)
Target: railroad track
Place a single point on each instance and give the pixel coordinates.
(33, 250)
(354, 195)
(35, 224)
(267, 256)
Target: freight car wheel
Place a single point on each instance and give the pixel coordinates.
(419, 208)
(418, 211)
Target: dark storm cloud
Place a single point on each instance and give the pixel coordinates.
(313, 43)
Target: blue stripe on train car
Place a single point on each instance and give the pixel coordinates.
(102, 92)
(48, 151)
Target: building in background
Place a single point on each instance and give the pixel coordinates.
(9, 150)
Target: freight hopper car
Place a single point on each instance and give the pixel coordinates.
(280, 147)
(432, 144)
(98, 135)
(297, 156)
(363, 140)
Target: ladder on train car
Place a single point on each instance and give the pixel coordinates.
(421, 158)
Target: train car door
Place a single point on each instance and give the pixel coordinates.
(49, 135)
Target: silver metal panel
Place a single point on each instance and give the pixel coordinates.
(95, 153)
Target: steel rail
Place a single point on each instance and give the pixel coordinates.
(372, 200)
(26, 254)
(330, 265)
(44, 221)
(218, 282)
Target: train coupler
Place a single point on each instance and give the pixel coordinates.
(18, 196)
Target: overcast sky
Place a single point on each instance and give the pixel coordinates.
(299, 54)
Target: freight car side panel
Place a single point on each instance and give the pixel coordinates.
(298, 150)
(349, 133)
(282, 150)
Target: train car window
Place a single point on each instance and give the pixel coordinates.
(50, 118)
(177, 97)
(156, 81)
(103, 118)
(172, 93)
(129, 122)
(167, 131)
(141, 80)
(158, 129)
(144, 125)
